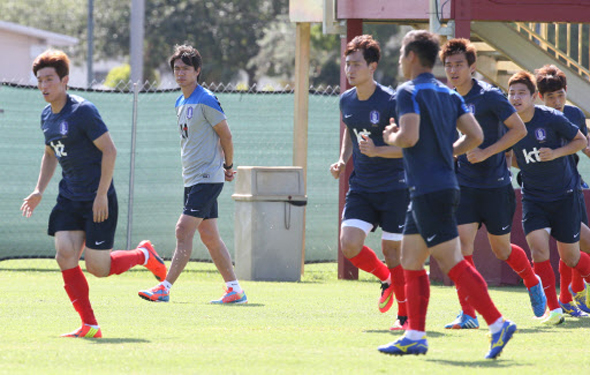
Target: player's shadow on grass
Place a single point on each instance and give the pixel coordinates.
(484, 363)
(115, 340)
(239, 305)
(429, 334)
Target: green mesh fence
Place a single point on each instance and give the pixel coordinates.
(262, 127)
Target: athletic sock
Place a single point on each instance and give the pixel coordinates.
(166, 285)
(368, 261)
(466, 307)
(565, 278)
(518, 261)
(496, 326)
(577, 282)
(399, 289)
(476, 290)
(583, 266)
(76, 287)
(545, 272)
(235, 286)
(418, 296)
(123, 260)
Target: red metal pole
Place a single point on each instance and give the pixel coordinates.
(346, 270)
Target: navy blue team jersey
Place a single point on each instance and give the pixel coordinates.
(576, 117)
(429, 164)
(550, 180)
(491, 109)
(370, 117)
(70, 133)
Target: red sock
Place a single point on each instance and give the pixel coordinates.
(76, 287)
(583, 266)
(367, 261)
(418, 295)
(476, 290)
(565, 278)
(123, 260)
(521, 265)
(399, 289)
(577, 282)
(545, 272)
(466, 306)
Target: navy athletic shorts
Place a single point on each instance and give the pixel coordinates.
(432, 216)
(200, 200)
(563, 217)
(69, 215)
(384, 209)
(493, 207)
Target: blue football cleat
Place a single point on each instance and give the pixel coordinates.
(538, 299)
(572, 309)
(463, 321)
(580, 298)
(500, 339)
(404, 346)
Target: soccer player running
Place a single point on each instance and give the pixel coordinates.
(552, 87)
(550, 197)
(85, 216)
(378, 194)
(207, 161)
(487, 196)
(429, 114)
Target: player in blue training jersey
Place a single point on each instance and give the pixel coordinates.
(85, 216)
(550, 197)
(207, 161)
(378, 194)
(429, 114)
(487, 196)
(552, 87)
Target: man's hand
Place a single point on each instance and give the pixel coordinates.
(30, 203)
(337, 168)
(546, 154)
(100, 208)
(477, 155)
(229, 174)
(367, 146)
(389, 131)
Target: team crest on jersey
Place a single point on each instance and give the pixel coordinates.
(189, 113)
(63, 128)
(471, 108)
(540, 134)
(374, 116)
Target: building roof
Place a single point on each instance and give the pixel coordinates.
(51, 37)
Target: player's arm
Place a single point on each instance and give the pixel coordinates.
(48, 165)
(586, 149)
(516, 132)
(472, 135)
(406, 134)
(576, 144)
(100, 207)
(227, 145)
(367, 147)
(345, 153)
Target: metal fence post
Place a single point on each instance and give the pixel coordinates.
(132, 165)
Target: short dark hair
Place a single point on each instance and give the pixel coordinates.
(457, 46)
(550, 78)
(53, 59)
(424, 44)
(189, 55)
(525, 78)
(366, 44)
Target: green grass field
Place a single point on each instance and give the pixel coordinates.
(320, 325)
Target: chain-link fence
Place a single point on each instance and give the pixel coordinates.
(262, 127)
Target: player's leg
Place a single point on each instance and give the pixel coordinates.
(414, 254)
(69, 245)
(576, 285)
(210, 237)
(396, 289)
(516, 258)
(467, 318)
(103, 262)
(392, 219)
